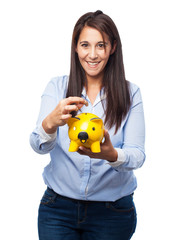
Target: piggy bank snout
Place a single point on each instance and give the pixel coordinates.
(83, 136)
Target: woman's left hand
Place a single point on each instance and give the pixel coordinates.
(108, 152)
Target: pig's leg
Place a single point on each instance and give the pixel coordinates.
(73, 147)
(95, 147)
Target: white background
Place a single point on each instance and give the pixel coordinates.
(35, 46)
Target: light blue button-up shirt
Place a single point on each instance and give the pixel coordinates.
(81, 177)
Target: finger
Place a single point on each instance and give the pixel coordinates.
(81, 152)
(107, 136)
(76, 100)
(79, 105)
(85, 151)
(70, 108)
(65, 117)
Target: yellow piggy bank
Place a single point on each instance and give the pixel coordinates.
(85, 129)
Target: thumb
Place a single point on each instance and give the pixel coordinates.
(107, 136)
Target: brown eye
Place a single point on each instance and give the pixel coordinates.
(84, 45)
(93, 129)
(101, 45)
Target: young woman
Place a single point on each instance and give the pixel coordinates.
(89, 195)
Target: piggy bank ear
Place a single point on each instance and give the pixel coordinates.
(99, 120)
(72, 120)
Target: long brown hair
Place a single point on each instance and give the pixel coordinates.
(116, 87)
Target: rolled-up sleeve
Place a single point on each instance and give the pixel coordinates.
(40, 141)
(132, 153)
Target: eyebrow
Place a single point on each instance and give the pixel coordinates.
(83, 42)
(106, 43)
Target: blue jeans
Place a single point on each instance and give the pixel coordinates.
(61, 218)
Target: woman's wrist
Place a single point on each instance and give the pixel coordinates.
(113, 157)
(48, 126)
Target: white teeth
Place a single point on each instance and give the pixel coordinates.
(92, 63)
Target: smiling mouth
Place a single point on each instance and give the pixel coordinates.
(93, 64)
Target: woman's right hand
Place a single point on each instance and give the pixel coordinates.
(62, 112)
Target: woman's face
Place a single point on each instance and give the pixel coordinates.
(93, 51)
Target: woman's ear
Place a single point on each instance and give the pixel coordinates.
(114, 47)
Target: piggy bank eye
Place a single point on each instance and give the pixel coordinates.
(74, 128)
(93, 129)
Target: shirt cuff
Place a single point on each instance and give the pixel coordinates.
(120, 159)
(45, 137)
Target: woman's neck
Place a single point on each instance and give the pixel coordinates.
(94, 81)
(93, 87)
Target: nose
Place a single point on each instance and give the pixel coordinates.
(83, 136)
(93, 53)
